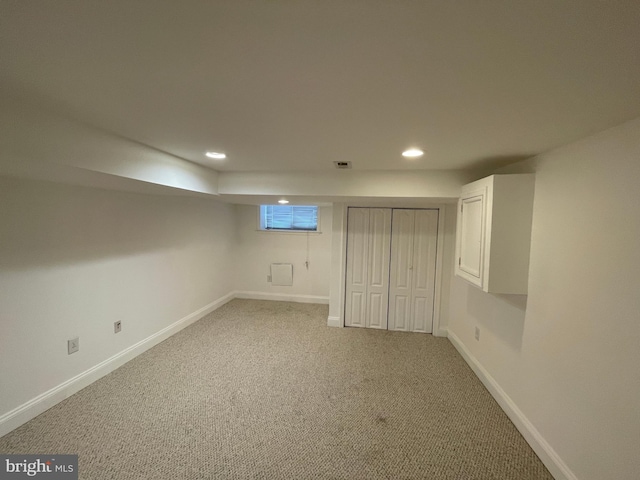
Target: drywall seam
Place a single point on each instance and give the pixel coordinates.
(34, 407)
(534, 438)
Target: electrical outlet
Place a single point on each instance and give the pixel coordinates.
(73, 345)
(117, 326)
(478, 333)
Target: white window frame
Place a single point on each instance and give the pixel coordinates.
(285, 230)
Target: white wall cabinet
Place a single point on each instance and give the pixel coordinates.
(494, 233)
(391, 268)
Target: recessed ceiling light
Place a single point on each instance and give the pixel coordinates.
(216, 155)
(283, 202)
(412, 153)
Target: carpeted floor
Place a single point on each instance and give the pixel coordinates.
(266, 390)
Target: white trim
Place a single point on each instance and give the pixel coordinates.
(291, 232)
(441, 332)
(34, 407)
(437, 293)
(534, 438)
(282, 297)
(340, 240)
(334, 322)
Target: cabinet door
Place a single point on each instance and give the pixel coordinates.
(471, 243)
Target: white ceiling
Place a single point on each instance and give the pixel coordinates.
(284, 85)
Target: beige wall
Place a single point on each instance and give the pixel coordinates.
(73, 260)
(38, 144)
(567, 355)
(257, 250)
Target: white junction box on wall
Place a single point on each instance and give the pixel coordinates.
(282, 274)
(493, 235)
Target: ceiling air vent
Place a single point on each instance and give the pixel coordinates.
(342, 165)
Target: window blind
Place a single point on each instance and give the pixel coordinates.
(289, 217)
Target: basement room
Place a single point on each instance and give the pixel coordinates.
(319, 239)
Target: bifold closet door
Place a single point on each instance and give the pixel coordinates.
(413, 269)
(367, 283)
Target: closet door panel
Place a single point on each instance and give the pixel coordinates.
(378, 267)
(400, 313)
(355, 310)
(357, 271)
(391, 260)
(402, 227)
(420, 318)
(424, 270)
(376, 311)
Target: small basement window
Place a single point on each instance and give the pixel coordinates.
(291, 218)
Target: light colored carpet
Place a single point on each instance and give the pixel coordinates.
(266, 390)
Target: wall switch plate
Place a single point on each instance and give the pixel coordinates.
(117, 326)
(268, 278)
(477, 333)
(73, 345)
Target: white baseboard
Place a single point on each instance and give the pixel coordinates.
(441, 332)
(34, 407)
(334, 322)
(282, 297)
(547, 454)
